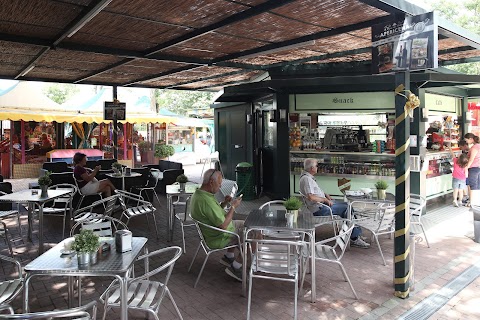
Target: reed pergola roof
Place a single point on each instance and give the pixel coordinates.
(198, 44)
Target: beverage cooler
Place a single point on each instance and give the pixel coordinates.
(439, 173)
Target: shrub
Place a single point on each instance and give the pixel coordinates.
(164, 151)
(381, 185)
(182, 178)
(45, 180)
(85, 241)
(292, 203)
(144, 146)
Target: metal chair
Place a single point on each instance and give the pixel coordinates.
(320, 220)
(380, 222)
(150, 186)
(82, 196)
(6, 210)
(144, 294)
(142, 208)
(101, 225)
(333, 254)
(274, 259)
(203, 244)
(78, 313)
(4, 233)
(61, 206)
(417, 203)
(184, 219)
(104, 207)
(9, 289)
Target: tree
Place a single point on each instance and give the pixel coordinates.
(180, 102)
(60, 92)
(463, 13)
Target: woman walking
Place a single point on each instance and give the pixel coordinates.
(473, 164)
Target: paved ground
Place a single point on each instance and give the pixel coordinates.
(218, 296)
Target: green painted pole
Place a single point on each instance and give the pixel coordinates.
(402, 191)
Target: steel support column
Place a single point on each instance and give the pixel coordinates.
(402, 191)
(115, 142)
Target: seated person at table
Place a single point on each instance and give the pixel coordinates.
(86, 180)
(314, 195)
(207, 210)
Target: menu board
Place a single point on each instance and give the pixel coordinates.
(114, 111)
(405, 44)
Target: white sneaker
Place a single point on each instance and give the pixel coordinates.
(455, 203)
(360, 243)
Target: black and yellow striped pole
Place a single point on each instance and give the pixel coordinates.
(402, 191)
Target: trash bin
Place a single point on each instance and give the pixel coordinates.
(476, 223)
(244, 176)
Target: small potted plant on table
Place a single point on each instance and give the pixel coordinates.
(117, 168)
(292, 205)
(381, 186)
(182, 180)
(44, 182)
(86, 245)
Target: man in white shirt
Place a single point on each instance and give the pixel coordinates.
(315, 195)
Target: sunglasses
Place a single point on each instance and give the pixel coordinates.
(211, 175)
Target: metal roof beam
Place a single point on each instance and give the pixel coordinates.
(395, 6)
(458, 61)
(251, 12)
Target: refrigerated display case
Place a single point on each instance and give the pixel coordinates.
(363, 169)
(439, 173)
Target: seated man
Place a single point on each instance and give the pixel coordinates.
(207, 210)
(314, 195)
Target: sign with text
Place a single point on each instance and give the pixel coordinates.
(346, 102)
(114, 110)
(405, 44)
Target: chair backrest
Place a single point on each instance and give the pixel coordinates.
(188, 208)
(343, 237)
(78, 313)
(103, 207)
(174, 251)
(274, 256)
(102, 226)
(274, 204)
(387, 222)
(68, 198)
(202, 226)
(417, 203)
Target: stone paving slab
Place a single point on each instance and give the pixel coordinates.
(218, 296)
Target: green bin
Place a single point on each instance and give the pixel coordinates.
(244, 176)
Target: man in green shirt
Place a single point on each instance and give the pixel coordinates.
(207, 210)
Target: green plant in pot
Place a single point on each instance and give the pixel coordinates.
(164, 151)
(292, 205)
(117, 167)
(381, 186)
(44, 181)
(182, 180)
(86, 245)
(144, 146)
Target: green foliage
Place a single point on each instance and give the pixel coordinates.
(164, 151)
(86, 241)
(292, 203)
(144, 146)
(381, 185)
(45, 180)
(117, 165)
(60, 92)
(182, 178)
(180, 102)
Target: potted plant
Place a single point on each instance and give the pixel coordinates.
(146, 152)
(163, 151)
(44, 181)
(182, 179)
(292, 205)
(117, 168)
(381, 186)
(86, 245)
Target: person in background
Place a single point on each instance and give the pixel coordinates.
(207, 210)
(314, 195)
(86, 181)
(473, 173)
(458, 177)
(463, 145)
